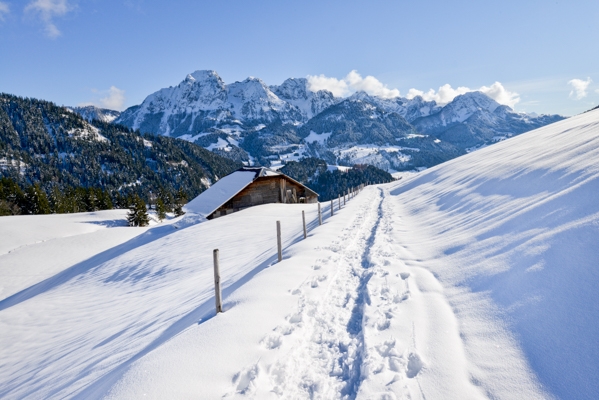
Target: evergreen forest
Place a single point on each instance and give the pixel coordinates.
(53, 160)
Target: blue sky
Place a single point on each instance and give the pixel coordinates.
(543, 54)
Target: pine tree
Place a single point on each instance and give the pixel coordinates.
(138, 214)
(160, 209)
(36, 201)
(180, 200)
(104, 201)
(12, 198)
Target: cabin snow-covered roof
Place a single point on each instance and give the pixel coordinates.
(227, 187)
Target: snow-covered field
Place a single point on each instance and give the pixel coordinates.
(472, 279)
(34, 248)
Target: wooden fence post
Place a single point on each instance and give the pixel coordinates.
(344, 195)
(339, 201)
(217, 291)
(279, 246)
(319, 215)
(304, 222)
(332, 213)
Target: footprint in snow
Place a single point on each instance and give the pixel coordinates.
(383, 324)
(295, 318)
(404, 275)
(285, 330)
(244, 380)
(398, 298)
(415, 365)
(272, 341)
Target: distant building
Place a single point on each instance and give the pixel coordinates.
(247, 187)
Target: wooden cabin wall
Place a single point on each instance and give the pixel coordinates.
(264, 190)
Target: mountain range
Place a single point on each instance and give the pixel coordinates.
(255, 123)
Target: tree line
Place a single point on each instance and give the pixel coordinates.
(313, 172)
(32, 199)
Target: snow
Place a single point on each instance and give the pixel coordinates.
(337, 167)
(276, 165)
(472, 279)
(320, 138)
(384, 157)
(220, 192)
(9, 164)
(28, 241)
(271, 173)
(291, 152)
(192, 138)
(90, 132)
(220, 144)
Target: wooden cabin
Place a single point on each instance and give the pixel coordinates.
(248, 187)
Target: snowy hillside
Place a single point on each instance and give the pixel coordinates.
(473, 279)
(92, 112)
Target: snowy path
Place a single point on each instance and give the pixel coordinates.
(359, 324)
(321, 344)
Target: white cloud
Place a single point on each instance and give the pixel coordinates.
(579, 88)
(370, 85)
(338, 87)
(353, 82)
(501, 95)
(446, 94)
(47, 10)
(4, 10)
(114, 99)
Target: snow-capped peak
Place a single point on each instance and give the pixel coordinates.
(292, 89)
(296, 92)
(475, 101)
(465, 105)
(202, 75)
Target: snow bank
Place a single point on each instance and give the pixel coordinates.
(512, 229)
(36, 247)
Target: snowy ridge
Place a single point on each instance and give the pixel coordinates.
(91, 112)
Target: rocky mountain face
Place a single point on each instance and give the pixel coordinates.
(295, 91)
(251, 122)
